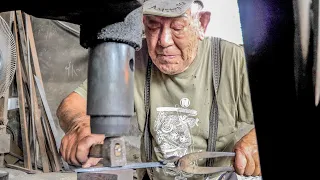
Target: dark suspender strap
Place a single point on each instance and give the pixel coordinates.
(216, 60)
(147, 134)
(214, 114)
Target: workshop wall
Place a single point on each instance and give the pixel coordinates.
(63, 62)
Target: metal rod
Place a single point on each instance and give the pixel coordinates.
(129, 166)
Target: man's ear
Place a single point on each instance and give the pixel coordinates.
(204, 19)
(144, 18)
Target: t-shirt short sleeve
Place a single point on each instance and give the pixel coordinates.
(82, 89)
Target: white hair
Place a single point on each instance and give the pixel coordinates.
(196, 8)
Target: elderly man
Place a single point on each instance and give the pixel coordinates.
(198, 94)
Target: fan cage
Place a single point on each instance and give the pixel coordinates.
(7, 51)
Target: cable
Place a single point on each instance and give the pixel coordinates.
(67, 28)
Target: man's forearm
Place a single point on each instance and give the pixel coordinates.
(72, 112)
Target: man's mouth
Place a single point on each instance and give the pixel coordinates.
(167, 59)
(167, 56)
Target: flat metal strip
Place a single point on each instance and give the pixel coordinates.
(129, 166)
(50, 118)
(48, 112)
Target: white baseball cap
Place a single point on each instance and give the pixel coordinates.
(168, 8)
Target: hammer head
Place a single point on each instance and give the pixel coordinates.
(113, 152)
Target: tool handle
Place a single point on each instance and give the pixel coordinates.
(96, 151)
(205, 170)
(186, 163)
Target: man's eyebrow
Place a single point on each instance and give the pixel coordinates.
(152, 17)
(182, 17)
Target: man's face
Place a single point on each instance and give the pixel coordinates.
(172, 42)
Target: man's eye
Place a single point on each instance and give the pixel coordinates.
(153, 25)
(178, 28)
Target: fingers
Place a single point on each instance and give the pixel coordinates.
(240, 162)
(63, 149)
(85, 145)
(247, 158)
(247, 164)
(68, 149)
(75, 148)
(73, 158)
(257, 171)
(91, 162)
(250, 167)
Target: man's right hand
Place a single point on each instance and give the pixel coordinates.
(76, 143)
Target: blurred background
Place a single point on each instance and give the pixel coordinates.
(225, 20)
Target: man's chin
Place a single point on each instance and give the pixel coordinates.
(169, 70)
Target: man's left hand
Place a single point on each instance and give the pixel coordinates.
(247, 157)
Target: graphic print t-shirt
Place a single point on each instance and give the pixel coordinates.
(181, 104)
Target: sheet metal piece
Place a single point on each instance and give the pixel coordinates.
(50, 118)
(48, 112)
(184, 163)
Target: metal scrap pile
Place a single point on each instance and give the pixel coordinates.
(38, 147)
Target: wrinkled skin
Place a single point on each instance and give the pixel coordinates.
(247, 157)
(173, 42)
(76, 143)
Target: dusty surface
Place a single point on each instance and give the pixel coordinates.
(19, 175)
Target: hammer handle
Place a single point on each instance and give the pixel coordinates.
(96, 151)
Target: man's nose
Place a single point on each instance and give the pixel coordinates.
(165, 38)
